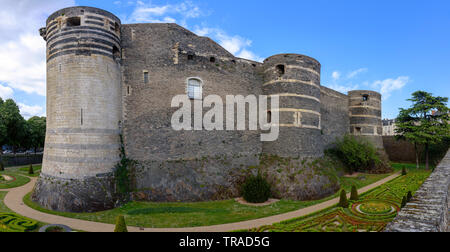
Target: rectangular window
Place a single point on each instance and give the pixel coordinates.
(194, 89)
(145, 77)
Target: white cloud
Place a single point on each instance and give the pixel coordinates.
(353, 74)
(6, 92)
(336, 75)
(387, 86)
(343, 88)
(182, 12)
(169, 13)
(236, 45)
(22, 50)
(30, 111)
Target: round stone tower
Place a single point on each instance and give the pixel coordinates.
(82, 144)
(365, 116)
(296, 80)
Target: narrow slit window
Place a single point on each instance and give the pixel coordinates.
(194, 89)
(116, 52)
(269, 116)
(146, 77)
(81, 117)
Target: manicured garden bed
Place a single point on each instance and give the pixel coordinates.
(18, 180)
(370, 213)
(175, 215)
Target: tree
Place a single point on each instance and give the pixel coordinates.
(121, 227)
(426, 122)
(37, 127)
(16, 129)
(3, 133)
(354, 194)
(343, 202)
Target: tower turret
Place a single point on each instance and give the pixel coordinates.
(296, 80)
(83, 110)
(365, 116)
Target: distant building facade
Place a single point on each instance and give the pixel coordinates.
(389, 127)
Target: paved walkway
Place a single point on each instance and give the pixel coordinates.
(13, 200)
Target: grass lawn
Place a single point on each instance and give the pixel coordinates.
(175, 215)
(370, 213)
(19, 180)
(3, 208)
(24, 170)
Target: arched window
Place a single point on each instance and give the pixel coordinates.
(194, 89)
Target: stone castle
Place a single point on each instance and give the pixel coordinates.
(110, 85)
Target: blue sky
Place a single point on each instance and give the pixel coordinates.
(394, 47)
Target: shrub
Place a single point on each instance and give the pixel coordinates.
(409, 196)
(121, 227)
(343, 202)
(354, 194)
(256, 189)
(2, 166)
(403, 202)
(404, 171)
(356, 154)
(30, 170)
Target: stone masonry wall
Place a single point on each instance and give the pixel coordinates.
(399, 150)
(182, 165)
(427, 211)
(335, 120)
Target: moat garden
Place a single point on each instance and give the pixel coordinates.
(369, 213)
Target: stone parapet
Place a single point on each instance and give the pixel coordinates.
(428, 210)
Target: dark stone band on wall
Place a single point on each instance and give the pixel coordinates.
(83, 131)
(75, 39)
(87, 10)
(83, 146)
(96, 18)
(72, 46)
(80, 52)
(94, 23)
(90, 160)
(85, 32)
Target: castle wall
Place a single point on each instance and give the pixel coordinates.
(105, 80)
(83, 111)
(170, 162)
(335, 118)
(365, 116)
(296, 80)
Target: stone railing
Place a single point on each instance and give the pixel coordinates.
(428, 210)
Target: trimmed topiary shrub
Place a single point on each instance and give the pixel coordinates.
(409, 196)
(343, 202)
(256, 189)
(30, 170)
(404, 173)
(121, 227)
(404, 201)
(354, 194)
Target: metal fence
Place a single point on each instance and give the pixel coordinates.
(20, 159)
